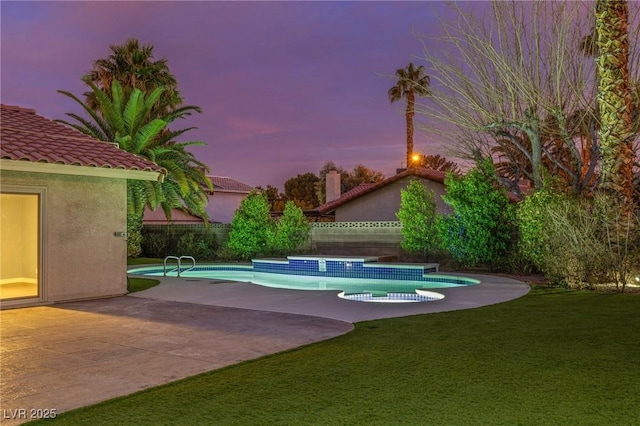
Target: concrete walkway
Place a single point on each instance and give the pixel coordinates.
(75, 354)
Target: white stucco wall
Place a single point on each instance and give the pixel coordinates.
(384, 203)
(81, 256)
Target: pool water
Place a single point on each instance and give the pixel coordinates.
(360, 289)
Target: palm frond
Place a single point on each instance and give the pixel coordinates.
(182, 112)
(134, 112)
(86, 127)
(107, 108)
(153, 98)
(93, 114)
(147, 133)
(136, 197)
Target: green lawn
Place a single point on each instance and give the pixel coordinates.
(143, 260)
(553, 357)
(139, 284)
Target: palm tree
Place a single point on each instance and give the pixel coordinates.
(130, 121)
(134, 67)
(411, 82)
(615, 99)
(437, 162)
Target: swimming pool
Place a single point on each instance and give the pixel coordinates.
(360, 279)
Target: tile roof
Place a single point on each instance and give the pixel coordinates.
(366, 188)
(27, 136)
(223, 183)
(178, 216)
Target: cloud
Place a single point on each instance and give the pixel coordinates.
(242, 128)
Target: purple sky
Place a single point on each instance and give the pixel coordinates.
(284, 87)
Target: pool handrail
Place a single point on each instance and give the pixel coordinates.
(180, 263)
(178, 268)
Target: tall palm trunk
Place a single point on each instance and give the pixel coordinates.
(614, 99)
(411, 82)
(409, 116)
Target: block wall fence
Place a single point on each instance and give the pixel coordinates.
(331, 238)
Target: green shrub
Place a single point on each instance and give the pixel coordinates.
(580, 242)
(155, 244)
(290, 232)
(224, 253)
(418, 217)
(250, 227)
(533, 224)
(481, 228)
(198, 245)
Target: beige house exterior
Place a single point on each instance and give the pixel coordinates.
(380, 202)
(224, 200)
(63, 211)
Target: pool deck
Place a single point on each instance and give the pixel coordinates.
(75, 354)
(326, 303)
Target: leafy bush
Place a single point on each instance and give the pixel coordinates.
(250, 227)
(224, 253)
(580, 242)
(534, 224)
(198, 245)
(134, 238)
(290, 232)
(155, 244)
(418, 217)
(481, 228)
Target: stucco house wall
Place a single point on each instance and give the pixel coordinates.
(222, 205)
(82, 258)
(66, 196)
(224, 200)
(384, 203)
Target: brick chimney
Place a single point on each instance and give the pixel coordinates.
(333, 186)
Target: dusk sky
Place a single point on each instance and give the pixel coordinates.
(284, 86)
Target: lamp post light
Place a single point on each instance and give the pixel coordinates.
(415, 160)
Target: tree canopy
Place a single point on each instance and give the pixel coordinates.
(129, 121)
(133, 66)
(301, 190)
(515, 87)
(348, 179)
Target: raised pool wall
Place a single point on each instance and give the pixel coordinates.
(343, 267)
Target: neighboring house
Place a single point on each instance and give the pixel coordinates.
(178, 217)
(379, 202)
(223, 202)
(226, 198)
(63, 199)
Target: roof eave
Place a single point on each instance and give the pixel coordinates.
(65, 169)
(333, 205)
(230, 191)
